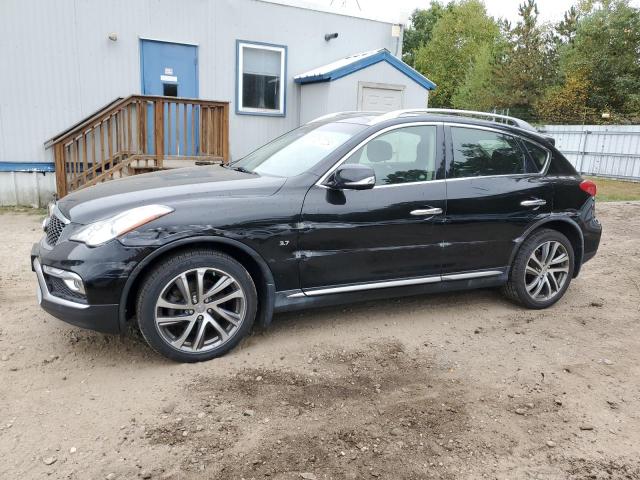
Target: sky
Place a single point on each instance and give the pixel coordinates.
(550, 10)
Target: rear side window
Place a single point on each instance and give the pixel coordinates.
(538, 156)
(481, 152)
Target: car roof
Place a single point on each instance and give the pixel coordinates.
(384, 119)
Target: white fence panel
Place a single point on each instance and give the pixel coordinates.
(601, 150)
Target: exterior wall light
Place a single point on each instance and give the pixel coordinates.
(330, 36)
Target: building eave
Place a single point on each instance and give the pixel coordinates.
(303, 5)
(382, 55)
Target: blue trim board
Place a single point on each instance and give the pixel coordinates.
(383, 55)
(27, 167)
(284, 80)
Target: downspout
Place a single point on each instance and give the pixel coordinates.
(399, 40)
(298, 102)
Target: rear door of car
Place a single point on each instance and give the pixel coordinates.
(389, 232)
(496, 188)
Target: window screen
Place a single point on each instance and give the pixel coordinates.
(538, 157)
(404, 155)
(261, 86)
(481, 152)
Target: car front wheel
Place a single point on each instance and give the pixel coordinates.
(542, 270)
(196, 305)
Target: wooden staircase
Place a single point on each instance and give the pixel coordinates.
(139, 134)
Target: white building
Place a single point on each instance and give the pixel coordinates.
(277, 64)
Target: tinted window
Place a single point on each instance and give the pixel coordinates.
(482, 152)
(400, 156)
(538, 156)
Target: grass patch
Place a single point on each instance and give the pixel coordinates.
(610, 190)
(41, 212)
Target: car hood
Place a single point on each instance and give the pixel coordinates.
(166, 187)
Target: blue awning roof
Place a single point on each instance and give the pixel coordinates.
(353, 63)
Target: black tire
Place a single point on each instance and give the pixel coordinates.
(515, 289)
(164, 272)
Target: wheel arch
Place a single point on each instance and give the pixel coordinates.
(249, 258)
(568, 227)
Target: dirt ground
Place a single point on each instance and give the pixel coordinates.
(455, 386)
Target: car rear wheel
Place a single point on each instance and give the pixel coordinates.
(196, 306)
(542, 270)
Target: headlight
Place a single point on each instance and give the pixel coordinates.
(101, 232)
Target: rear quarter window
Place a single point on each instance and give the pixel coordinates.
(537, 157)
(559, 165)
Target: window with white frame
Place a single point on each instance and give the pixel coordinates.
(261, 78)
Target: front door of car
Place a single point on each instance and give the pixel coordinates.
(495, 191)
(388, 232)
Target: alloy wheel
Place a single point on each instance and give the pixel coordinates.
(200, 309)
(547, 271)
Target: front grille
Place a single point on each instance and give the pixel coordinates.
(58, 288)
(54, 229)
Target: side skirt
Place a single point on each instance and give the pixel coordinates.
(290, 300)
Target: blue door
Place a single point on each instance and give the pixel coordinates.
(171, 70)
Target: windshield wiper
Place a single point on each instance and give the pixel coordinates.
(243, 170)
(237, 169)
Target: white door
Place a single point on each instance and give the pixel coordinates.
(380, 99)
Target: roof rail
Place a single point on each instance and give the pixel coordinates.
(329, 116)
(495, 117)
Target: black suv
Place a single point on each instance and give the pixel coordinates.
(349, 207)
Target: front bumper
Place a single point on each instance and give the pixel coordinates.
(102, 318)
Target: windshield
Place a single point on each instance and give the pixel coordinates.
(299, 150)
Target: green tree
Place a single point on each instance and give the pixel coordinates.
(606, 47)
(566, 29)
(478, 92)
(458, 38)
(419, 32)
(562, 37)
(526, 69)
(566, 103)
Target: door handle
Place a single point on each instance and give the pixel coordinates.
(427, 211)
(538, 202)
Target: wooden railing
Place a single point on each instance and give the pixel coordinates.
(139, 132)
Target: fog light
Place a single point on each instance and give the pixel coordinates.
(74, 285)
(70, 279)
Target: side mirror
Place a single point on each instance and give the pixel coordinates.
(352, 177)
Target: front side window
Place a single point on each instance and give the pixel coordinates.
(261, 79)
(299, 150)
(403, 155)
(478, 153)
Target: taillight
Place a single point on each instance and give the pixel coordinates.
(589, 187)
